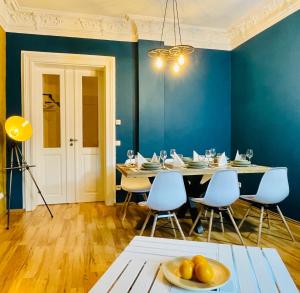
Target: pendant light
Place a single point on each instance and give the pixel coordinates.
(177, 54)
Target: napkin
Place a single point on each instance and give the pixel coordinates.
(205, 178)
(155, 158)
(237, 156)
(196, 156)
(130, 162)
(177, 161)
(140, 160)
(222, 160)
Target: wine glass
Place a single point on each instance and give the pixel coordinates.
(130, 155)
(208, 154)
(249, 154)
(172, 152)
(163, 156)
(213, 152)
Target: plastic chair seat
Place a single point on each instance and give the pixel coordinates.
(137, 185)
(252, 198)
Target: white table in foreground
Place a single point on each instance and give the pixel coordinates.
(137, 269)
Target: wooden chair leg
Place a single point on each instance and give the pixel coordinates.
(221, 221)
(260, 224)
(244, 218)
(210, 224)
(125, 202)
(268, 219)
(126, 206)
(145, 223)
(154, 225)
(205, 213)
(145, 196)
(235, 226)
(172, 224)
(196, 222)
(178, 225)
(285, 223)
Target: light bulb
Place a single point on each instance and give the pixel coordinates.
(176, 67)
(181, 59)
(159, 63)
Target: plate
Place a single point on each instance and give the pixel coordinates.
(221, 275)
(197, 166)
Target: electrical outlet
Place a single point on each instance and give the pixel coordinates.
(118, 143)
(118, 122)
(1, 195)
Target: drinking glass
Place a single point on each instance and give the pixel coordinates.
(130, 155)
(249, 154)
(163, 156)
(172, 152)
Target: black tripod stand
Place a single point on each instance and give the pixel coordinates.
(22, 166)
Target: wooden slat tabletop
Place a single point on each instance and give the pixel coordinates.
(134, 172)
(137, 269)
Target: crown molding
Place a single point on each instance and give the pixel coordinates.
(15, 18)
(261, 19)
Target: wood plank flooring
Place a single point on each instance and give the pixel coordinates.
(71, 251)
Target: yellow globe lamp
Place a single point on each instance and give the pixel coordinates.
(18, 128)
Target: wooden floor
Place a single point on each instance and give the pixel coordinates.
(71, 251)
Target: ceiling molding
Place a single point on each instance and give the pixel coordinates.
(262, 18)
(15, 18)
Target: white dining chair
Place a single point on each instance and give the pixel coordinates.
(133, 185)
(222, 191)
(273, 189)
(167, 194)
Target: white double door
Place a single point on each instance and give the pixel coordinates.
(67, 133)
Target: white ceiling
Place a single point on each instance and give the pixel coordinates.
(212, 24)
(220, 14)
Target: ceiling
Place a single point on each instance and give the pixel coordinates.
(212, 24)
(219, 14)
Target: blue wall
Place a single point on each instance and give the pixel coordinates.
(266, 102)
(190, 111)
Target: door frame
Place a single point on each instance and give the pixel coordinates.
(31, 59)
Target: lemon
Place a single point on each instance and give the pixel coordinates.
(186, 269)
(204, 272)
(199, 259)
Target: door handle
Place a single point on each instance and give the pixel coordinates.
(72, 140)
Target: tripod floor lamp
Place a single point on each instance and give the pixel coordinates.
(19, 130)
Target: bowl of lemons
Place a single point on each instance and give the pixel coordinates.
(196, 273)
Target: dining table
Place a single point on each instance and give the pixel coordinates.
(133, 171)
(138, 269)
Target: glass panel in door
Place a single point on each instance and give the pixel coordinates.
(90, 111)
(51, 110)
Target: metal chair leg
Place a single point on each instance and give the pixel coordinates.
(172, 224)
(179, 227)
(205, 213)
(145, 223)
(126, 206)
(285, 223)
(231, 209)
(210, 224)
(260, 224)
(244, 218)
(221, 221)
(196, 222)
(235, 226)
(154, 225)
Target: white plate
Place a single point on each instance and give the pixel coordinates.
(221, 275)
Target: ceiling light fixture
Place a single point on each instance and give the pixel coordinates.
(178, 53)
